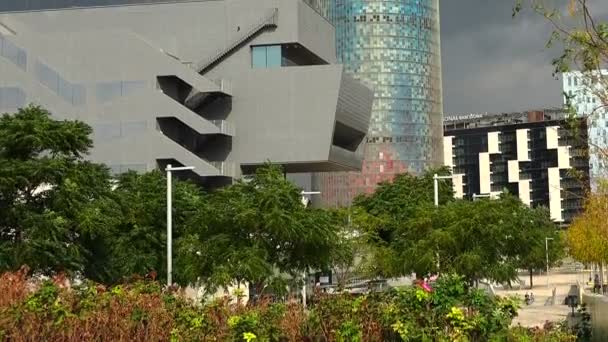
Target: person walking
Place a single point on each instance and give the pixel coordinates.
(597, 287)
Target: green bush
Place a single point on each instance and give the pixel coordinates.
(142, 311)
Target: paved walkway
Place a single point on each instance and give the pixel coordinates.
(541, 310)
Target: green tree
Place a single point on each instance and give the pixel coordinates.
(587, 237)
(256, 231)
(134, 240)
(392, 204)
(488, 239)
(537, 226)
(46, 191)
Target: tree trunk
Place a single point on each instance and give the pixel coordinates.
(531, 278)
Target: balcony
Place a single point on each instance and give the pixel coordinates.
(226, 169)
(226, 128)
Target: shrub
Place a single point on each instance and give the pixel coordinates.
(143, 311)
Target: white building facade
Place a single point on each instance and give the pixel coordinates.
(587, 94)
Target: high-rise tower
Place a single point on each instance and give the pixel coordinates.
(394, 47)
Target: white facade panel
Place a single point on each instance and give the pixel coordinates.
(523, 153)
(563, 157)
(524, 192)
(485, 184)
(555, 198)
(552, 137)
(493, 142)
(458, 183)
(448, 153)
(513, 171)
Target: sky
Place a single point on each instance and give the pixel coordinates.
(495, 63)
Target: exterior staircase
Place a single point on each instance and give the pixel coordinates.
(269, 21)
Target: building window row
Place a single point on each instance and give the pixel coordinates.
(13, 53)
(72, 93)
(107, 131)
(108, 91)
(11, 98)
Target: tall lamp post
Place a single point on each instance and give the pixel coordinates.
(436, 179)
(305, 195)
(169, 170)
(547, 239)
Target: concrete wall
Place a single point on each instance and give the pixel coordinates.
(598, 308)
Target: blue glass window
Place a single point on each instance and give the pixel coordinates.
(273, 56)
(266, 56)
(258, 57)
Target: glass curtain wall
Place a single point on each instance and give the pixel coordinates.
(393, 46)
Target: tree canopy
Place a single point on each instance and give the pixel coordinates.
(46, 191)
(486, 239)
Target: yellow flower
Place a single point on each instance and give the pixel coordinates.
(249, 336)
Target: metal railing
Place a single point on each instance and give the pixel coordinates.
(225, 127)
(227, 169)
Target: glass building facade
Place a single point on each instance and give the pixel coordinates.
(394, 47)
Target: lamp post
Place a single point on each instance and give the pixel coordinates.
(436, 179)
(305, 195)
(169, 170)
(547, 255)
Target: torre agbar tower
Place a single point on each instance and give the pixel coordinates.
(393, 47)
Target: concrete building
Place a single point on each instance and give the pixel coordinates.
(220, 85)
(539, 156)
(588, 96)
(394, 46)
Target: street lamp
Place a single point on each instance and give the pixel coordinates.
(170, 169)
(547, 255)
(436, 179)
(305, 202)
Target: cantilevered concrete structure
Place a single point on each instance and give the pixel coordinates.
(220, 85)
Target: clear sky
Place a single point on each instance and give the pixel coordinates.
(494, 63)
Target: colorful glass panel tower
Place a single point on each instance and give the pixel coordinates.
(394, 47)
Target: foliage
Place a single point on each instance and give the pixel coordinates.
(47, 190)
(486, 239)
(134, 238)
(584, 330)
(255, 231)
(587, 237)
(141, 311)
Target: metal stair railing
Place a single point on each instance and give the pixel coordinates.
(269, 21)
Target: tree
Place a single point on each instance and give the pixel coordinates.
(537, 226)
(46, 190)
(488, 239)
(257, 231)
(391, 204)
(587, 237)
(134, 239)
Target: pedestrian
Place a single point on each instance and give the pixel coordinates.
(597, 287)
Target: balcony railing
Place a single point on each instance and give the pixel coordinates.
(226, 128)
(226, 169)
